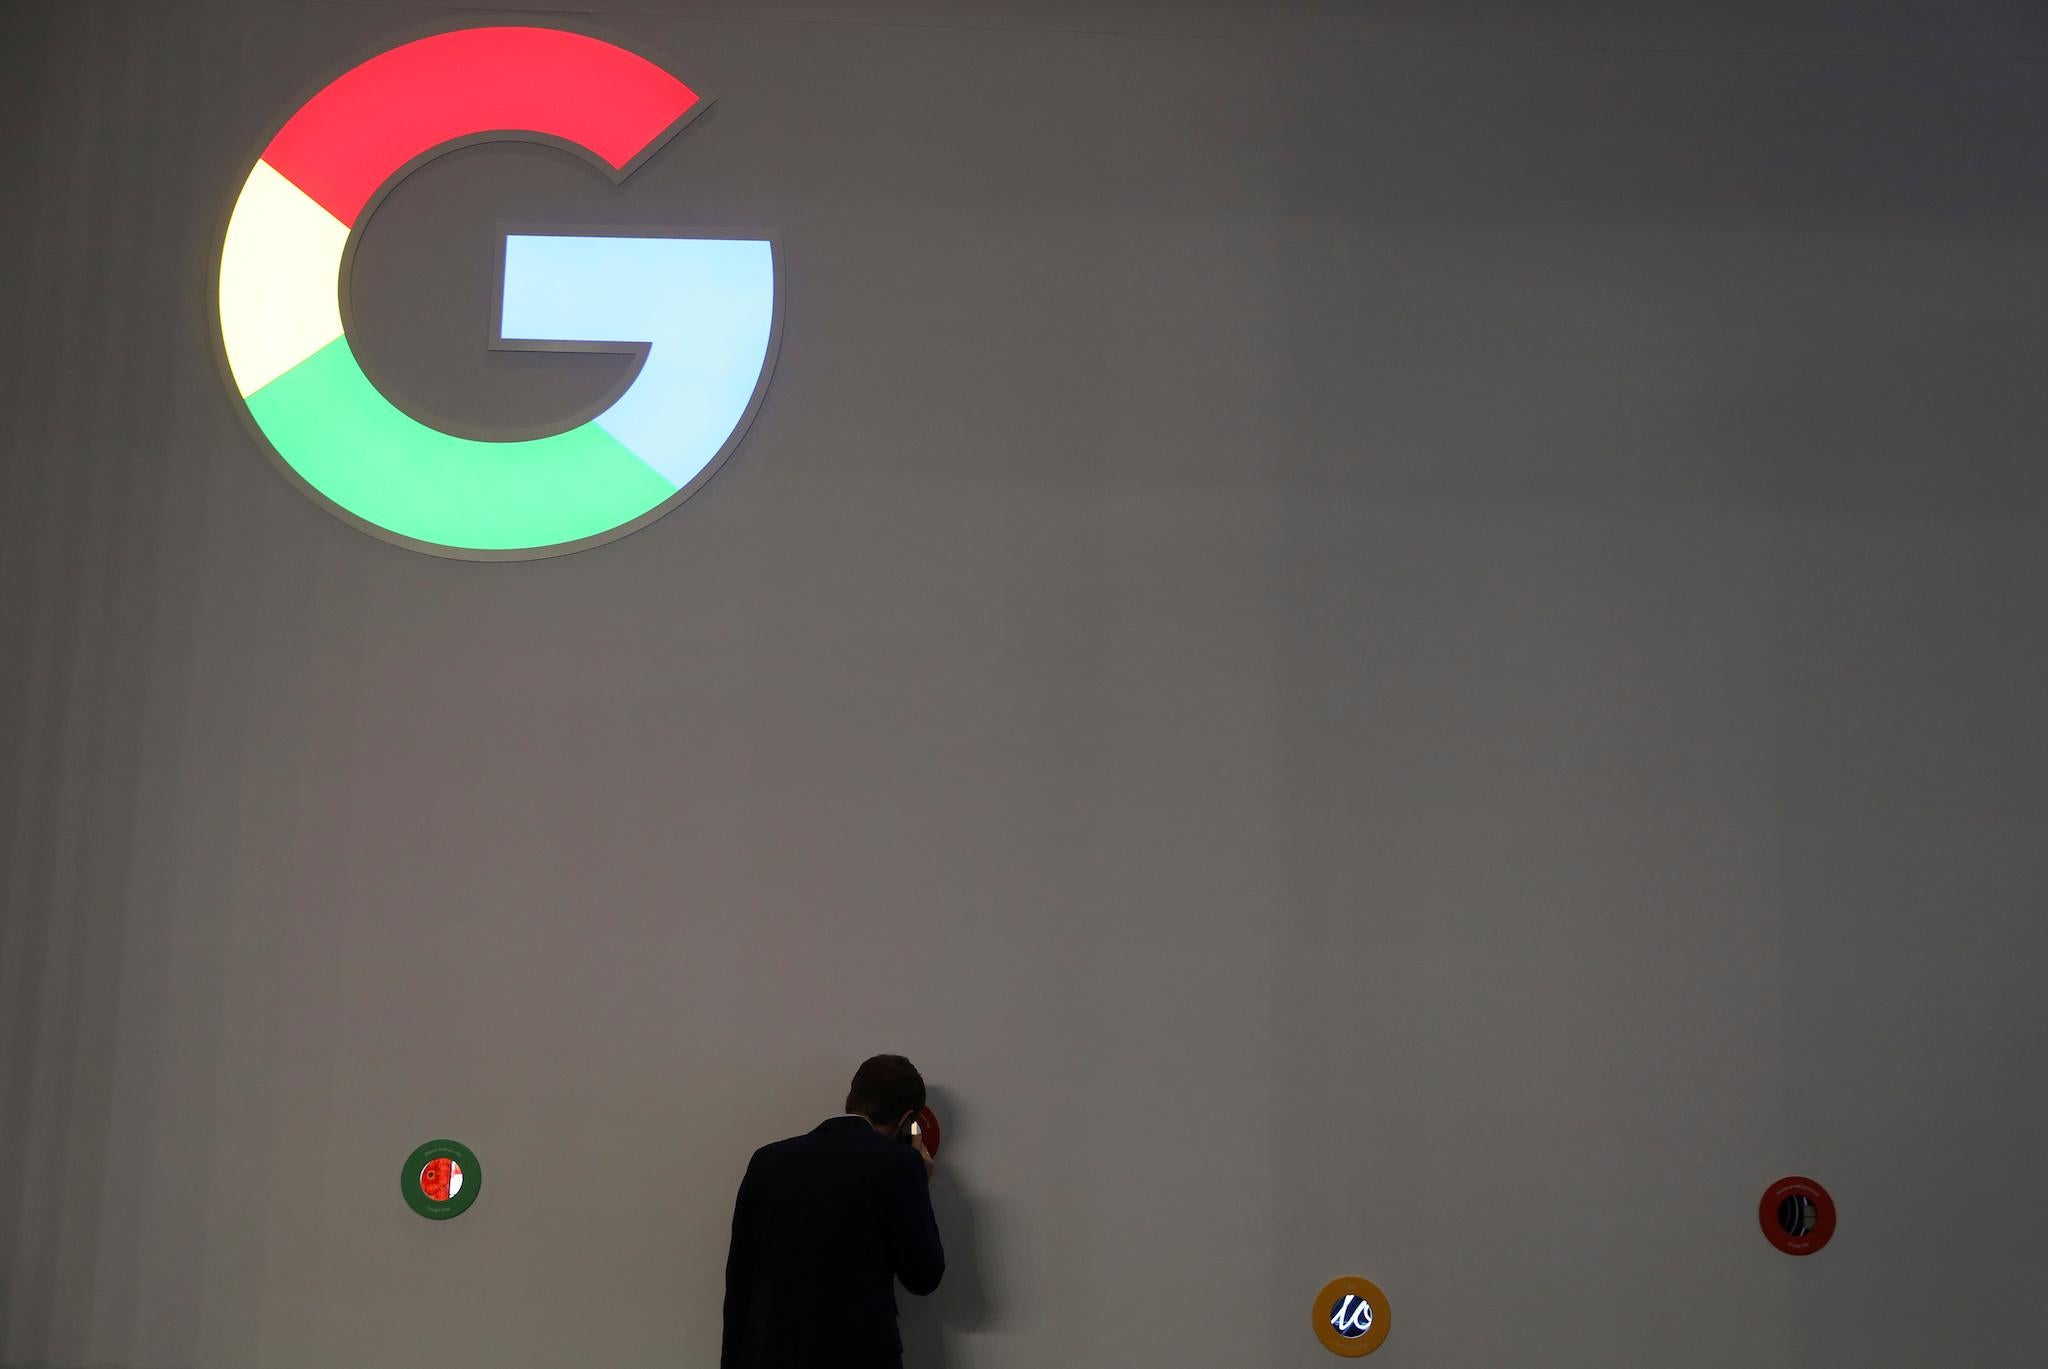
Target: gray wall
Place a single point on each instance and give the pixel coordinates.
(1398, 639)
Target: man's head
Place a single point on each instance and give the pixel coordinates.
(886, 1088)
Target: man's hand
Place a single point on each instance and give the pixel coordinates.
(917, 1144)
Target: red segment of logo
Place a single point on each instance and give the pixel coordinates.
(1792, 1242)
(346, 141)
(434, 1180)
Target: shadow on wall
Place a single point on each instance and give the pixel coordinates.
(962, 1305)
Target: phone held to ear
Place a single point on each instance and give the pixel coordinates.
(922, 1127)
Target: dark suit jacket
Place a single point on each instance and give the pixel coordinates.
(823, 1224)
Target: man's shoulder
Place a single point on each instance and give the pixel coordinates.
(767, 1155)
(786, 1143)
(837, 1140)
(826, 1136)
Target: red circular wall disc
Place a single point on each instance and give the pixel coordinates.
(1791, 1243)
(928, 1131)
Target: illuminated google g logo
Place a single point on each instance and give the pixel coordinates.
(701, 311)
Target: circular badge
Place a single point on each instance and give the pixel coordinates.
(441, 1179)
(926, 1129)
(1797, 1215)
(699, 311)
(1351, 1317)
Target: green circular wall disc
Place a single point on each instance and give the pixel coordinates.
(441, 1179)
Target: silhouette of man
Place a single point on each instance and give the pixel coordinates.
(823, 1224)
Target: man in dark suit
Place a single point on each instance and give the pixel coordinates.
(823, 1225)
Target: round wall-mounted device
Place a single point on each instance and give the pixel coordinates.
(926, 1129)
(1797, 1215)
(1351, 1317)
(441, 1179)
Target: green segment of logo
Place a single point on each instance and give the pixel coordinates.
(369, 457)
(455, 1204)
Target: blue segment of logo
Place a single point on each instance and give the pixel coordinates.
(705, 307)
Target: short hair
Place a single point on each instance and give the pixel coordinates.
(884, 1088)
